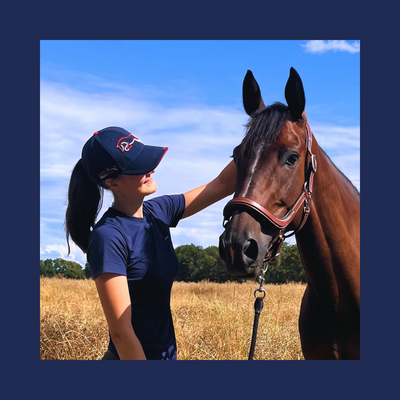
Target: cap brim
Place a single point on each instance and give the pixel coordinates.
(147, 161)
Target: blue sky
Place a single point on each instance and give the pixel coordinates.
(185, 95)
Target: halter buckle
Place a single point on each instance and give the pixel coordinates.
(314, 163)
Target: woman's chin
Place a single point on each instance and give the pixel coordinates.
(150, 188)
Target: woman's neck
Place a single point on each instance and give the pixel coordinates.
(133, 208)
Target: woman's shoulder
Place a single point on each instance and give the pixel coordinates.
(107, 231)
(164, 202)
(168, 208)
(110, 225)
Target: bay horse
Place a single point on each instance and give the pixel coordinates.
(280, 166)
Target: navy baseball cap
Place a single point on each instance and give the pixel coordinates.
(115, 150)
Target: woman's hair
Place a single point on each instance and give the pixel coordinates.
(85, 199)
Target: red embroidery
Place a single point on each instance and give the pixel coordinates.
(126, 143)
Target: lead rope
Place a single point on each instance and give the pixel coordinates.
(258, 306)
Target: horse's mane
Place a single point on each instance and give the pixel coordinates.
(263, 128)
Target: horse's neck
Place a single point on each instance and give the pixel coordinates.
(334, 198)
(329, 243)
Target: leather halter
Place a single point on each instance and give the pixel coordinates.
(280, 223)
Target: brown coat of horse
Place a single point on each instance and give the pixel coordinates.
(272, 168)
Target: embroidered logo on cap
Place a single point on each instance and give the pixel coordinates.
(126, 143)
(107, 172)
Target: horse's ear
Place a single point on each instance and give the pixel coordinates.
(252, 99)
(294, 94)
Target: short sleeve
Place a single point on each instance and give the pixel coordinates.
(107, 251)
(168, 208)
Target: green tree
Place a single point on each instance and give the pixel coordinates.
(87, 272)
(58, 266)
(73, 270)
(47, 268)
(68, 269)
(216, 269)
(198, 264)
(187, 257)
(287, 268)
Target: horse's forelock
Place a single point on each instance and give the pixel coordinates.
(263, 128)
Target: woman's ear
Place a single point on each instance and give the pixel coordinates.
(111, 184)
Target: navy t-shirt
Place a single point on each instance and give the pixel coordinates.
(141, 249)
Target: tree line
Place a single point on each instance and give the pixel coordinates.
(64, 269)
(196, 264)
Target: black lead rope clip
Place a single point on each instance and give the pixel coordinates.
(258, 306)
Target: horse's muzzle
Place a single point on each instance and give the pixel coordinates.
(240, 257)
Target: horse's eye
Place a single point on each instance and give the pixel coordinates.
(292, 159)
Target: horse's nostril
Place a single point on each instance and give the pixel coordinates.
(250, 249)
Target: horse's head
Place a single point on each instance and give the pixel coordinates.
(272, 163)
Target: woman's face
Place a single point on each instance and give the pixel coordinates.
(136, 185)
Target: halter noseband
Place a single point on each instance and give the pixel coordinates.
(280, 223)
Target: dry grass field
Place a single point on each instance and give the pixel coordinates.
(212, 321)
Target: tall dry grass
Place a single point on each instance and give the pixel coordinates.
(212, 321)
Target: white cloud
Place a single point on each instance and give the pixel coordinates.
(323, 46)
(200, 138)
(69, 117)
(58, 248)
(332, 138)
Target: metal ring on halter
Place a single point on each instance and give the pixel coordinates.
(260, 290)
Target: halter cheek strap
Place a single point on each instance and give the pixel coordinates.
(281, 223)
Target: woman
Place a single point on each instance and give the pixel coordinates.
(129, 250)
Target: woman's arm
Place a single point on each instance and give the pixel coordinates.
(223, 185)
(114, 296)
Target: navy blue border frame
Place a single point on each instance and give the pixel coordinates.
(28, 375)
